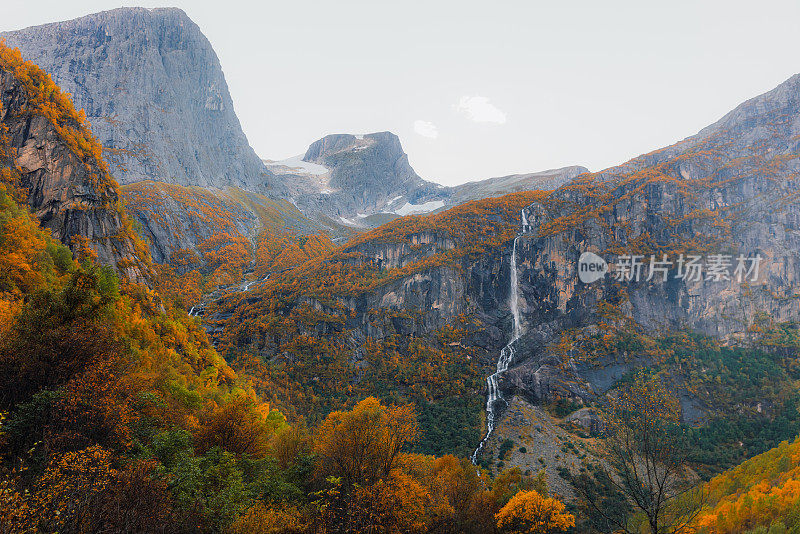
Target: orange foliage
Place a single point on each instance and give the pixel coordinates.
(762, 491)
(46, 98)
(363, 445)
(529, 513)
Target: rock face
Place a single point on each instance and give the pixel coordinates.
(72, 196)
(366, 180)
(153, 89)
(729, 190)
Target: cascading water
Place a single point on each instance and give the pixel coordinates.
(507, 354)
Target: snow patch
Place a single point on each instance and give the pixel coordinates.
(415, 209)
(297, 164)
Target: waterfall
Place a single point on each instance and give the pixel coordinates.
(506, 355)
(524, 222)
(514, 303)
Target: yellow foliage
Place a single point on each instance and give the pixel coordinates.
(529, 513)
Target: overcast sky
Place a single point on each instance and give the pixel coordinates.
(481, 89)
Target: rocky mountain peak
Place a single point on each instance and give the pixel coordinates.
(154, 91)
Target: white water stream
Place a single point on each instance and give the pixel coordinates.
(506, 354)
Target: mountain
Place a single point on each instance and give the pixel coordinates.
(153, 89)
(422, 307)
(51, 160)
(349, 178)
(157, 99)
(366, 180)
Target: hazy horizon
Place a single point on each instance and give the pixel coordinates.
(475, 92)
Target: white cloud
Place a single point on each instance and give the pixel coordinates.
(479, 109)
(426, 129)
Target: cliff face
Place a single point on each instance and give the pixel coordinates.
(729, 190)
(154, 91)
(71, 193)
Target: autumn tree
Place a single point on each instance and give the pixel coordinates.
(362, 446)
(237, 427)
(528, 512)
(647, 458)
(360, 452)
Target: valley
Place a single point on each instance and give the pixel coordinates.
(331, 343)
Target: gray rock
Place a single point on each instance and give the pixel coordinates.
(585, 418)
(153, 89)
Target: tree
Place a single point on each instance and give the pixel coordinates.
(529, 512)
(362, 445)
(236, 427)
(647, 458)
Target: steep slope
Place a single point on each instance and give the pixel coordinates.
(432, 295)
(49, 156)
(154, 92)
(366, 180)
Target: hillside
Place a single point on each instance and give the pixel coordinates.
(760, 495)
(204, 239)
(118, 415)
(420, 308)
(154, 91)
(94, 367)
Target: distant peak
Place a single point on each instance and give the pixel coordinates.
(336, 143)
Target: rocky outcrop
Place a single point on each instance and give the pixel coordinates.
(72, 195)
(154, 92)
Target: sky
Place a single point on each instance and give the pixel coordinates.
(482, 89)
